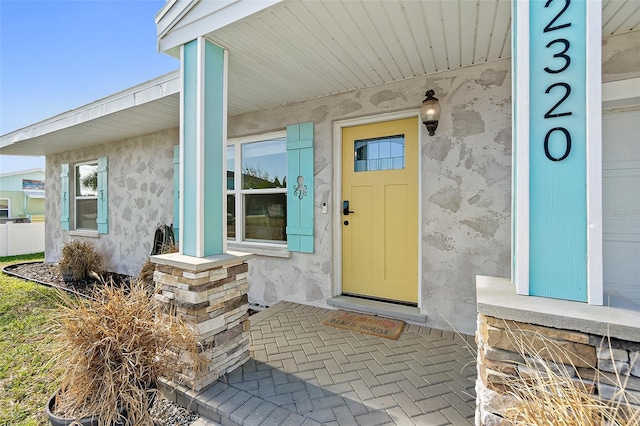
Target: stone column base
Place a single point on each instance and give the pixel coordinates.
(211, 295)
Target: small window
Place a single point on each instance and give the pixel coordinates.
(386, 153)
(257, 190)
(86, 196)
(5, 207)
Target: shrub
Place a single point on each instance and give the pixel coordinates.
(79, 259)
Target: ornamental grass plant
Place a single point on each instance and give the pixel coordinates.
(79, 259)
(545, 391)
(114, 348)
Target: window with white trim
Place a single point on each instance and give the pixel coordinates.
(5, 207)
(86, 195)
(257, 189)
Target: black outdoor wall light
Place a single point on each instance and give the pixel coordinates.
(430, 112)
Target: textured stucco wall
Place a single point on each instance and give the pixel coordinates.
(465, 186)
(140, 195)
(621, 57)
(466, 192)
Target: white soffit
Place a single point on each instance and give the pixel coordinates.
(620, 16)
(147, 108)
(297, 50)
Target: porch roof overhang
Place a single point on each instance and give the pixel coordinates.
(285, 51)
(146, 108)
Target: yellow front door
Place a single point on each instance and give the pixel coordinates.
(380, 210)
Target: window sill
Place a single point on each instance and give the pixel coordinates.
(260, 249)
(84, 233)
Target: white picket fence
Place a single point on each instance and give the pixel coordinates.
(21, 238)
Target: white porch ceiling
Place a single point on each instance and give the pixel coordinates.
(300, 50)
(297, 50)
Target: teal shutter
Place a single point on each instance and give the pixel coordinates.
(176, 191)
(103, 196)
(64, 197)
(300, 187)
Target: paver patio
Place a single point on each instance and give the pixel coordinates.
(304, 373)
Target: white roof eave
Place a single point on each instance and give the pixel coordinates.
(181, 21)
(142, 94)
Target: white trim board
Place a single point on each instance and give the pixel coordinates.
(595, 286)
(622, 93)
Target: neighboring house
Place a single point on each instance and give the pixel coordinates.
(22, 195)
(293, 131)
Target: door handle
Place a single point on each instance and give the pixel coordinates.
(345, 208)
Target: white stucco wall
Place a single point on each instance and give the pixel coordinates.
(140, 195)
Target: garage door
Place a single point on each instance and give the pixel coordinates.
(621, 208)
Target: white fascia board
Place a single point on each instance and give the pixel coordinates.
(622, 93)
(21, 172)
(201, 18)
(34, 193)
(149, 91)
(170, 15)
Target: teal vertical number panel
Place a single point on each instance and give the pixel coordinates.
(189, 138)
(558, 206)
(176, 191)
(300, 188)
(214, 69)
(103, 195)
(64, 197)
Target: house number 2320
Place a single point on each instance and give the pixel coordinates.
(559, 47)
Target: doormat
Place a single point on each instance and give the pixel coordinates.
(368, 324)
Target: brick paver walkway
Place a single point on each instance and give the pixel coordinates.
(304, 373)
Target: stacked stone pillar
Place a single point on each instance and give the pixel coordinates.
(210, 294)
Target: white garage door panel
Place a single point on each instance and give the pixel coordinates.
(621, 208)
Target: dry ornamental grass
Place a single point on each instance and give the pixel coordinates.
(79, 259)
(114, 348)
(546, 393)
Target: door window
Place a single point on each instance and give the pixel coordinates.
(386, 153)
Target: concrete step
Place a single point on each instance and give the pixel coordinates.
(382, 309)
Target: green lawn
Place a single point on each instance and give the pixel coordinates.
(26, 378)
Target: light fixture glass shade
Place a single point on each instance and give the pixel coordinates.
(430, 112)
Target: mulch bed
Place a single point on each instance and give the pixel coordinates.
(49, 274)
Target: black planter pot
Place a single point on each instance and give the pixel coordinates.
(61, 421)
(85, 421)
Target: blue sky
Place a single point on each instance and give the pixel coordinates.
(58, 55)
